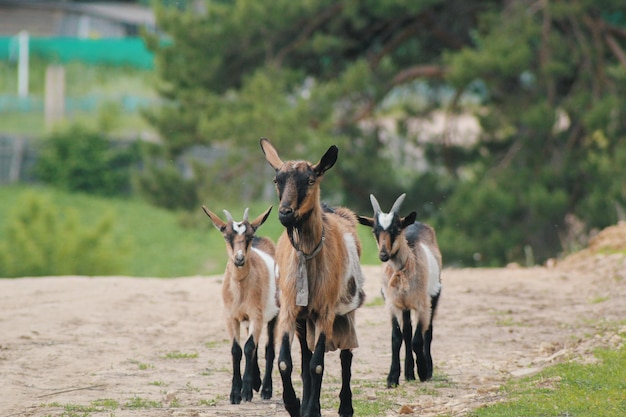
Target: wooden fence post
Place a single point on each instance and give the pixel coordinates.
(55, 95)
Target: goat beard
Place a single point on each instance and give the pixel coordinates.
(399, 281)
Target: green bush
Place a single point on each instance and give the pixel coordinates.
(162, 185)
(39, 240)
(81, 159)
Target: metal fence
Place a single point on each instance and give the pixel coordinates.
(17, 159)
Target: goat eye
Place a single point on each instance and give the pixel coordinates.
(275, 180)
(311, 181)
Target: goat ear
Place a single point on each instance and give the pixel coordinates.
(256, 223)
(327, 161)
(366, 221)
(409, 220)
(271, 154)
(217, 222)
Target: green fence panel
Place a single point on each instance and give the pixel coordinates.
(118, 51)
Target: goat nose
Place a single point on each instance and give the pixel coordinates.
(239, 259)
(384, 256)
(286, 216)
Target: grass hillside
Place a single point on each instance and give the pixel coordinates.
(158, 245)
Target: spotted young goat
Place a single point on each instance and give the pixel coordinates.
(320, 280)
(249, 295)
(411, 281)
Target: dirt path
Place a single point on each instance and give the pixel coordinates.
(157, 347)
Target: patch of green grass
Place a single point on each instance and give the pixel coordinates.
(138, 402)
(506, 319)
(142, 366)
(211, 344)
(161, 247)
(208, 403)
(89, 88)
(568, 389)
(611, 251)
(375, 302)
(369, 407)
(180, 355)
(599, 299)
(157, 383)
(106, 403)
(79, 410)
(189, 386)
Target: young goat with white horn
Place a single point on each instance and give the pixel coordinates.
(320, 280)
(249, 295)
(411, 281)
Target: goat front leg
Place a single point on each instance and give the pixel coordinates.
(407, 334)
(267, 389)
(393, 379)
(285, 366)
(235, 388)
(301, 328)
(345, 396)
(316, 370)
(251, 378)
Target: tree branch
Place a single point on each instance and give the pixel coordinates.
(410, 74)
(404, 34)
(418, 71)
(306, 32)
(616, 49)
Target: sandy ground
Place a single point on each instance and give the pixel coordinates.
(158, 347)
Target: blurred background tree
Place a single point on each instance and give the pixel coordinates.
(545, 80)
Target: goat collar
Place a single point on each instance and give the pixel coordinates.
(318, 248)
(302, 278)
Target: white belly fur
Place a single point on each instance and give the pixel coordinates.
(271, 309)
(434, 283)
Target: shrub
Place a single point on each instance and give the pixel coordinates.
(80, 159)
(41, 240)
(163, 186)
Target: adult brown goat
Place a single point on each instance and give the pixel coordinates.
(320, 280)
(411, 281)
(249, 296)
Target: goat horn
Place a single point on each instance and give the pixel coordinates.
(245, 214)
(375, 204)
(229, 217)
(396, 206)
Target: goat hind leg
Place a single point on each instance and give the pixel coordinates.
(345, 396)
(267, 389)
(407, 334)
(316, 370)
(428, 336)
(424, 368)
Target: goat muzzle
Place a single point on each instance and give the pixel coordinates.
(239, 260)
(286, 216)
(383, 256)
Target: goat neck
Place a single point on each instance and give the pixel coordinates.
(400, 259)
(239, 273)
(308, 236)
